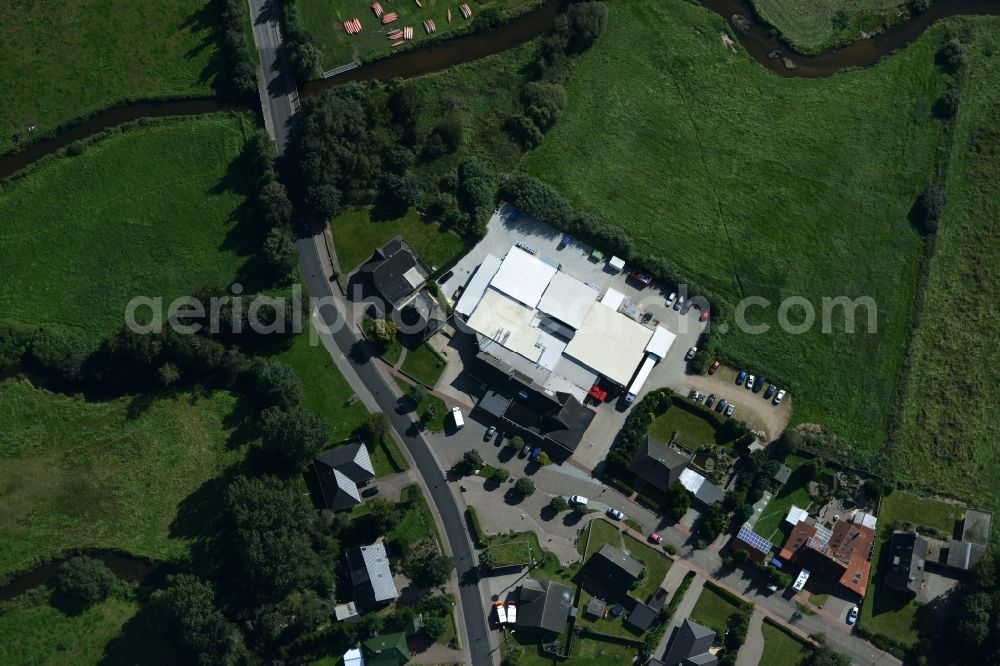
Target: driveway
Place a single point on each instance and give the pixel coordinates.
(751, 408)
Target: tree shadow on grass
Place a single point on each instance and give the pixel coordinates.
(140, 641)
(206, 23)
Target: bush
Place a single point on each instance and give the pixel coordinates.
(14, 343)
(417, 394)
(433, 627)
(515, 444)
(81, 582)
(559, 504)
(954, 54)
(525, 487)
(376, 427)
(273, 204)
(947, 105)
(585, 23)
(500, 475)
(543, 459)
(61, 351)
(471, 461)
(384, 331)
(919, 6)
(279, 253)
(543, 103)
(277, 384)
(523, 131)
(931, 206)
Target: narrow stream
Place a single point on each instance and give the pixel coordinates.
(127, 567)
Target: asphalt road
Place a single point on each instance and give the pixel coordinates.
(279, 92)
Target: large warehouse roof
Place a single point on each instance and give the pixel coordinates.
(567, 299)
(508, 322)
(660, 343)
(523, 277)
(476, 287)
(610, 343)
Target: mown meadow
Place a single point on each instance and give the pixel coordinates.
(814, 25)
(65, 60)
(754, 185)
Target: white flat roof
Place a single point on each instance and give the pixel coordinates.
(796, 515)
(613, 298)
(508, 322)
(617, 263)
(691, 480)
(477, 285)
(567, 299)
(660, 343)
(610, 343)
(523, 277)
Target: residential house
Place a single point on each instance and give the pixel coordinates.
(691, 645)
(340, 471)
(840, 555)
(387, 650)
(395, 271)
(657, 464)
(543, 606)
(613, 569)
(371, 576)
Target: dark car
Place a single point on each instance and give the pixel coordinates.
(444, 278)
(565, 241)
(740, 378)
(759, 384)
(645, 279)
(524, 451)
(715, 366)
(686, 307)
(370, 491)
(721, 407)
(709, 400)
(499, 440)
(770, 391)
(492, 430)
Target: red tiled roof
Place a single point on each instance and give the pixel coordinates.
(848, 548)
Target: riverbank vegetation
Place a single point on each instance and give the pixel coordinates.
(814, 26)
(322, 21)
(63, 61)
(784, 188)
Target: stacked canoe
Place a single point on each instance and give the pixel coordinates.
(389, 18)
(429, 26)
(352, 26)
(466, 12)
(408, 32)
(377, 8)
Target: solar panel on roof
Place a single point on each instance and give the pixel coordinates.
(754, 540)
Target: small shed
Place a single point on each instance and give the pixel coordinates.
(596, 607)
(642, 617)
(783, 474)
(616, 264)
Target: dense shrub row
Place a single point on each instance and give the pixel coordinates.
(238, 79)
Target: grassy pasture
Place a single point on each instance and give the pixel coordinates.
(945, 436)
(813, 25)
(754, 185)
(64, 60)
(78, 474)
(152, 211)
(357, 234)
(324, 20)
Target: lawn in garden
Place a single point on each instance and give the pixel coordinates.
(780, 649)
(712, 610)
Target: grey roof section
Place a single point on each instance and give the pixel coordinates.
(690, 641)
(543, 605)
(477, 285)
(907, 553)
(339, 492)
(396, 271)
(371, 575)
(658, 464)
(596, 607)
(351, 460)
(783, 474)
(642, 617)
(709, 493)
(560, 419)
(703, 659)
(964, 555)
(613, 567)
(976, 526)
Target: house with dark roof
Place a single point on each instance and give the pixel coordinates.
(395, 271)
(387, 650)
(657, 464)
(543, 606)
(907, 570)
(371, 576)
(783, 474)
(612, 568)
(560, 419)
(340, 471)
(690, 646)
(642, 617)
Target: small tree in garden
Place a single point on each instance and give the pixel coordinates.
(525, 487)
(501, 475)
(384, 330)
(417, 393)
(471, 460)
(558, 504)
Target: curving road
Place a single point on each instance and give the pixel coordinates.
(279, 93)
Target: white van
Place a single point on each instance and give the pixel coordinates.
(456, 414)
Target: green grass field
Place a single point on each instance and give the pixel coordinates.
(324, 20)
(769, 525)
(712, 610)
(33, 633)
(657, 564)
(76, 474)
(326, 391)
(755, 185)
(422, 364)
(780, 649)
(434, 425)
(356, 236)
(812, 26)
(693, 430)
(945, 437)
(150, 211)
(63, 60)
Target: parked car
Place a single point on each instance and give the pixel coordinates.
(655, 538)
(750, 381)
(511, 612)
(525, 450)
(778, 398)
(771, 589)
(691, 353)
(741, 377)
(770, 391)
(500, 437)
(671, 298)
(709, 400)
(370, 491)
(852, 615)
(492, 430)
(686, 307)
(501, 612)
(534, 453)
(759, 384)
(679, 303)
(715, 366)
(444, 278)
(722, 405)
(645, 279)
(699, 397)
(578, 500)
(730, 409)
(615, 514)
(704, 315)
(564, 241)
